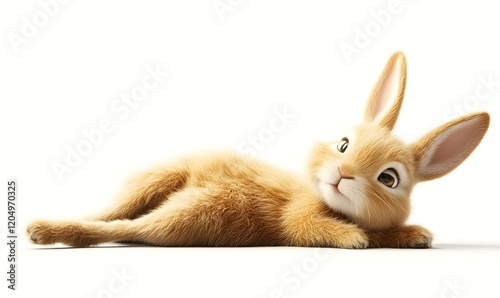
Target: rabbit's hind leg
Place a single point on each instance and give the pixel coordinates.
(173, 223)
(145, 192)
(78, 233)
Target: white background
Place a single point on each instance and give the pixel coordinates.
(228, 74)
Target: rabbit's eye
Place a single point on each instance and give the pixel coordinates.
(342, 146)
(389, 178)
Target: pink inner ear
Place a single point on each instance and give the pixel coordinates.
(459, 140)
(387, 94)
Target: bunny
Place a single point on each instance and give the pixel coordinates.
(358, 195)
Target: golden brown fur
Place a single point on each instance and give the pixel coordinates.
(357, 197)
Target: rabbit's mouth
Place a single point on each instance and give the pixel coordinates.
(342, 192)
(332, 189)
(335, 188)
(337, 195)
(337, 192)
(335, 185)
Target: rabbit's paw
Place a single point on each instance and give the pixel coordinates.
(417, 237)
(352, 237)
(401, 237)
(41, 232)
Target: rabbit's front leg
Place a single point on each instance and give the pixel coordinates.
(309, 222)
(407, 236)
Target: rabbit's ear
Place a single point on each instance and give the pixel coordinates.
(443, 149)
(387, 95)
